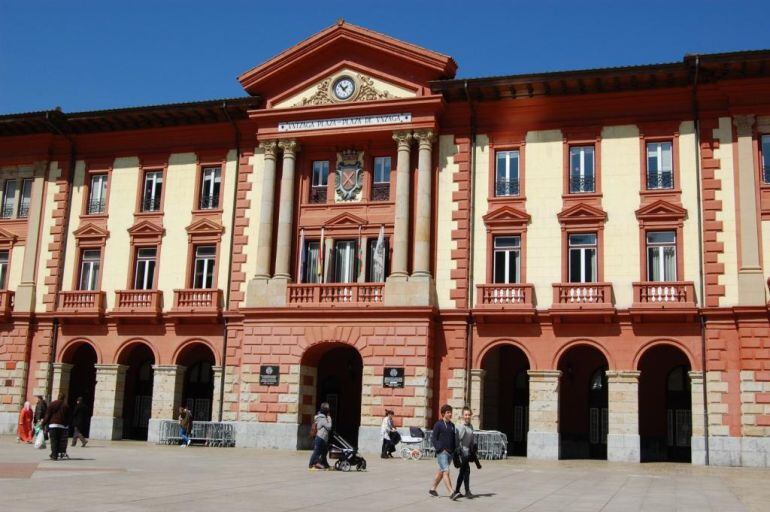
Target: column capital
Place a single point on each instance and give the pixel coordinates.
(744, 123)
(621, 375)
(269, 147)
(425, 138)
(111, 368)
(289, 147)
(62, 366)
(695, 376)
(403, 139)
(544, 374)
(168, 368)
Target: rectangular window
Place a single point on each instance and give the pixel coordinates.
(345, 261)
(660, 170)
(319, 181)
(311, 272)
(89, 269)
(97, 197)
(9, 199)
(26, 197)
(376, 260)
(381, 181)
(205, 262)
(3, 269)
(661, 256)
(153, 186)
(582, 258)
(211, 179)
(766, 158)
(582, 178)
(507, 255)
(144, 274)
(507, 173)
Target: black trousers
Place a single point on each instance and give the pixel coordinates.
(464, 476)
(388, 447)
(58, 439)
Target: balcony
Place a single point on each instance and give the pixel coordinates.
(335, 294)
(6, 304)
(664, 300)
(582, 300)
(505, 300)
(197, 304)
(80, 304)
(138, 304)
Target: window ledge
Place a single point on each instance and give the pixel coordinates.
(207, 211)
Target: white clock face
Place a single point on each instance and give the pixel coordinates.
(344, 88)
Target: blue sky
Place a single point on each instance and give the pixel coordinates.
(88, 54)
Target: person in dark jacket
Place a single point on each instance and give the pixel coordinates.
(444, 442)
(185, 425)
(466, 452)
(40, 408)
(79, 420)
(56, 421)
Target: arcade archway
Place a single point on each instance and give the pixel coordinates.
(583, 415)
(82, 381)
(665, 405)
(137, 394)
(506, 395)
(198, 387)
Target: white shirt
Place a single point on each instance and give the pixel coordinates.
(387, 426)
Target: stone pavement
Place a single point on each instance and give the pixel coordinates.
(134, 476)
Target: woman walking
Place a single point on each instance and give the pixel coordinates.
(464, 445)
(24, 431)
(387, 432)
(322, 426)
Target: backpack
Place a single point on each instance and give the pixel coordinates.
(313, 430)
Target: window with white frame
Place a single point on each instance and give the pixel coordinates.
(3, 269)
(90, 262)
(766, 159)
(661, 256)
(376, 261)
(205, 262)
(144, 273)
(9, 199)
(211, 179)
(582, 258)
(660, 170)
(311, 271)
(97, 194)
(507, 258)
(507, 173)
(25, 199)
(381, 178)
(153, 186)
(345, 261)
(582, 176)
(319, 181)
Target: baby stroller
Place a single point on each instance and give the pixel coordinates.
(346, 454)
(412, 444)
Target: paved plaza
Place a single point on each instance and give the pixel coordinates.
(133, 476)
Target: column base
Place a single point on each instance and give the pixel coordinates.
(153, 431)
(623, 448)
(106, 428)
(732, 451)
(543, 445)
(9, 422)
(751, 287)
(266, 293)
(418, 290)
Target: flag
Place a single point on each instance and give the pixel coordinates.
(321, 258)
(359, 255)
(378, 274)
(301, 264)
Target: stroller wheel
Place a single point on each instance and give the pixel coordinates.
(337, 465)
(361, 465)
(406, 453)
(417, 454)
(344, 465)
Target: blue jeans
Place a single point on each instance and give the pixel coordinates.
(444, 459)
(183, 435)
(319, 453)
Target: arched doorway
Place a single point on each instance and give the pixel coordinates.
(82, 377)
(339, 373)
(506, 395)
(137, 395)
(665, 405)
(583, 415)
(198, 387)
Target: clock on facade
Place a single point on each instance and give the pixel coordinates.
(343, 88)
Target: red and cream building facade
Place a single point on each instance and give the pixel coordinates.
(581, 256)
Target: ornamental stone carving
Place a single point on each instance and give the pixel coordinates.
(403, 139)
(365, 91)
(349, 175)
(289, 147)
(269, 147)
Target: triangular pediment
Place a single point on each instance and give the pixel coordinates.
(7, 238)
(661, 210)
(345, 220)
(91, 231)
(205, 226)
(506, 216)
(582, 213)
(309, 61)
(146, 228)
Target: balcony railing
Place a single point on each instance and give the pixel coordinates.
(318, 194)
(659, 180)
(137, 303)
(581, 185)
(151, 204)
(197, 302)
(582, 294)
(209, 202)
(6, 303)
(505, 295)
(380, 192)
(7, 211)
(95, 206)
(336, 293)
(665, 294)
(23, 210)
(506, 188)
(81, 303)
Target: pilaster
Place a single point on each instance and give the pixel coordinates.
(61, 379)
(477, 396)
(623, 444)
(107, 420)
(543, 436)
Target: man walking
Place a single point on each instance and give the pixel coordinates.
(185, 424)
(79, 419)
(40, 408)
(444, 443)
(57, 420)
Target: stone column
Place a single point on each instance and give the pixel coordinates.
(61, 379)
(422, 216)
(24, 298)
(286, 210)
(107, 421)
(216, 399)
(477, 395)
(623, 403)
(751, 285)
(698, 440)
(265, 233)
(398, 268)
(167, 382)
(543, 435)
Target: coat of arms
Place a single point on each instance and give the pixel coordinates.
(349, 175)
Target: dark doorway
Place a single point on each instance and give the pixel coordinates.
(340, 370)
(506, 396)
(665, 405)
(137, 397)
(198, 388)
(583, 415)
(82, 378)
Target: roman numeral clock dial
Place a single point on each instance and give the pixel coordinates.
(343, 88)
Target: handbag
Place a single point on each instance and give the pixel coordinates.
(457, 458)
(40, 439)
(395, 437)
